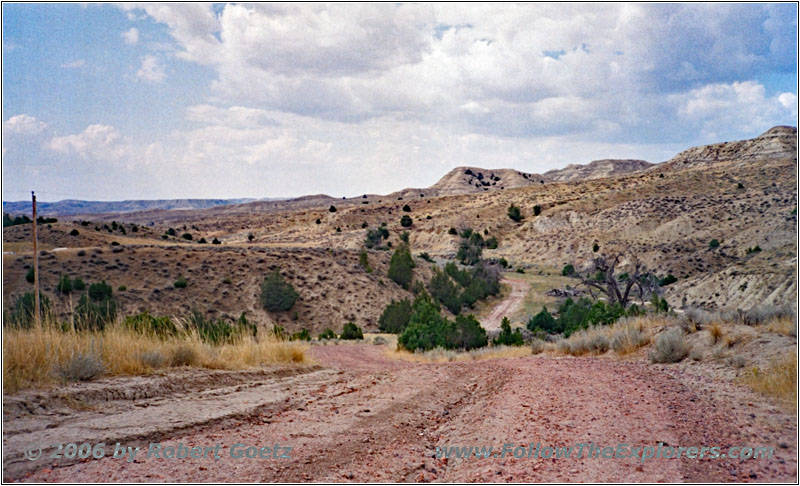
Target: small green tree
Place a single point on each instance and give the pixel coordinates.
(30, 277)
(277, 294)
(327, 334)
(568, 270)
(74, 232)
(395, 316)
(332, 209)
(401, 266)
(466, 333)
(713, 244)
(407, 208)
(543, 321)
(595, 247)
(180, 283)
(515, 213)
(100, 291)
(442, 288)
(363, 260)
(64, 285)
(351, 331)
(537, 210)
(404, 237)
(507, 337)
(78, 284)
(406, 221)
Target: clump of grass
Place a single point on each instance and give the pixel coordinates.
(764, 314)
(737, 361)
(669, 347)
(697, 353)
(627, 337)
(715, 331)
(153, 359)
(778, 379)
(783, 325)
(538, 346)
(81, 367)
(31, 355)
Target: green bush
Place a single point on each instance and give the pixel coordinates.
(491, 243)
(74, 232)
(21, 315)
(332, 209)
(145, 323)
(171, 232)
(351, 331)
(404, 237)
(507, 337)
(669, 279)
(30, 277)
(277, 294)
(425, 256)
(452, 231)
(568, 270)
(537, 210)
(363, 260)
(470, 248)
(755, 249)
(94, 314)
(213, 331)
(395, 316)
(443, 289)
(303, 334)
(327, 334)
(515, 213)
(78, 284)
(466, 333)
(375, 237)
(595, 247)
(543, 321)
(279, 332)
(122, 288)
(215, 241)
(64, 285)
(202, 241)
(100, 291)
(406, 221)
(180, 283)
(407, 208)
(713, 244)
(401, 266)
(426, 329)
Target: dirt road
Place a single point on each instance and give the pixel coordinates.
(509, 305)
(362, 417)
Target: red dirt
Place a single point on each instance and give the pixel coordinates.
(374, 419)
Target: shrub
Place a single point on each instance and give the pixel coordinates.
(503, 262)
(404, 237)
(187, 236)
(183, 355)
(64, 285)
(78, 284)
(279, 332)
(22, 314)
(506, 336)
(537, 210)
(171, 232)
(180, 283)
(537, 346)
(82, 367)
(406, 221)
(74, 232)
(443, 289)
(144, 323)
(568, 270)
(470, 247)
(379, 341)
(669, 279)
(491, 243)
(514, 213)
(212, 331)
(332, 209)
(277, 294)
(425, 256)
(761, 315)
(669, 347)
(100, 291)
(94, 314)
(466, 333)
(122, 288)
(595, 247)
(375, 237)
(395, 317)
(520, 270)
(318, 221)
(363, 260)
(153, 359)
(754, 249)
(30, 277)
(543, 321)
(351, 331)
(327, 334)
(215, 241)
(713, 244)
(426, 328)
(202, 241)
(302, 335)
(407, 208)
(452, 231)
(401, 266)
(627, 337)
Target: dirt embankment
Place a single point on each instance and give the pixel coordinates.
(363, 417)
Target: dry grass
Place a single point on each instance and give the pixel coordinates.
(778, 379)
(440, 355)
(624, 337)
(715, 330)
(782, 325)
(32, 357)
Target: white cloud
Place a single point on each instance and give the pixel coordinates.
(151, 70)
(131, 36)
(23, 125)
(100, 142)
(76, 64)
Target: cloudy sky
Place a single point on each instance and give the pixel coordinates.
(212, 100)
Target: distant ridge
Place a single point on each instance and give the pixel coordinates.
(74, 206)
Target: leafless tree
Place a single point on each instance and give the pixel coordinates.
(603, 278)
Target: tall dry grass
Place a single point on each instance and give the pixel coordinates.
(440, 355)
(778, 379)
(33, 357)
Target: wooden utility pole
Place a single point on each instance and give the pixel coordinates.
(36, 317)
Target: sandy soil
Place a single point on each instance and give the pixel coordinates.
(363, 417)
(508, 306)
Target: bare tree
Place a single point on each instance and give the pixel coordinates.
(603, 278)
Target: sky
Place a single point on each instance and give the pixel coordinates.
(167, 101)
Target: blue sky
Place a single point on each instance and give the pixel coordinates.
(171, 101)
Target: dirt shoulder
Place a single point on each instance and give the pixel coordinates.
(363, 417)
